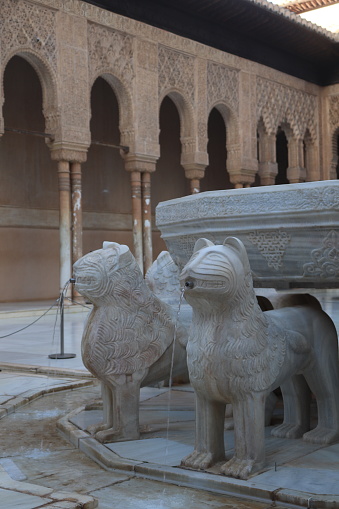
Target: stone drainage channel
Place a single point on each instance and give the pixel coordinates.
(158, 453)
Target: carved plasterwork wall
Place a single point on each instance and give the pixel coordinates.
(223, 93)
(176, 78)
(29, 31)
(176, 72)
(277, 103)
(334, 111)
(222, 86)
(109, 49)
(333, 105)
(111, 56)
(25, 25)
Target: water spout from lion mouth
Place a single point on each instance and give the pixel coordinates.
(189, 284)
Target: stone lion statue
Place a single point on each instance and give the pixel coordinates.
(129, 335)
(238, 354)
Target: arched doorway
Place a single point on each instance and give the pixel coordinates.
(282, 157)
(216, 175)
(29, 257)
(336, 153)
(106, 187)
(168, 181)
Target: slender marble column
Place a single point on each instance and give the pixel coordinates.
(195, 186)
(76, 211)
(147, 220)
(76, 217)
(194, 172)
(65, 224)
(137, 217)
(268, 167)
(296, 172)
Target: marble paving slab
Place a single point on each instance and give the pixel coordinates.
(14, 500)
(86, 418)
(327, 458)
(149, 392)
(23, 384)
(317, 481)
(152, 450)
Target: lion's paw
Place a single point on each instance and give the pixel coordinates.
(112, 435)
(94, 428)
(240, 469)
(288, 431)
(322, 435)
(198, 460)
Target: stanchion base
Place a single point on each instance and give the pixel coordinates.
(62, 355)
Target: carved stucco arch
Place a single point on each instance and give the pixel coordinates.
(124, 99)
(186, 114)
(335, 151)
(233, 145)
(48, 82)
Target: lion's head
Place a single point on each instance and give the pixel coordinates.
(98, 273)
(216, 271)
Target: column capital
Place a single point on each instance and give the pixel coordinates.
(194, 171)
(140, 162)
(267, 172)
(296, 174)
(242, 177)
(68, 152)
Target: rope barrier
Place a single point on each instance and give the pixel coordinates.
(57, 302)
(30, 324)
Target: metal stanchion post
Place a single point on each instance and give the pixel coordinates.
(62, 354)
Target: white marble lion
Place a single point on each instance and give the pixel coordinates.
(238, 354)
(129, 335)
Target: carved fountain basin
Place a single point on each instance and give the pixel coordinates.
(291, 232)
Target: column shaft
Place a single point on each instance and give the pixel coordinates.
(64, 223)
(137, 217)
(147, 220)
(76, 211)
(195, 186)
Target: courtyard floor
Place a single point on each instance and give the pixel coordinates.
(40, 468)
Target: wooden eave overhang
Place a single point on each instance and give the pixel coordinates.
(253, 29)
(301, 6)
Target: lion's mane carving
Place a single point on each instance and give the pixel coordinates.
(238, 354)
(128, 339)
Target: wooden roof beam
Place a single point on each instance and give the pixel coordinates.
(301, 6)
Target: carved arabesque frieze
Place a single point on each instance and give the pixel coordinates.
(111, 54)
(272, 245)
(325, 260)
(222, 86)
(304, 199)
(176, 71)
(24, 25)
(52, 119)
(277, 103)
(110, 49)
(334, 110)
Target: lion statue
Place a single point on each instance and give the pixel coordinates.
(130, 333)
(238, 354)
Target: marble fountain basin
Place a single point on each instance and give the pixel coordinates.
(291, 232)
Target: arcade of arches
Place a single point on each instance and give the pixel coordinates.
(104, 118)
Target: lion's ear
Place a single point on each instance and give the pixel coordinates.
(238, 246)
(109, 245)
(201, 243)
